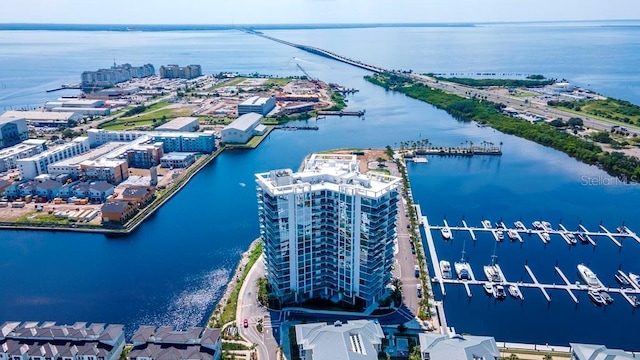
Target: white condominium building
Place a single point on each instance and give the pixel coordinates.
(328, 230)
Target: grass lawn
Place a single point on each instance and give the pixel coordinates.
(43, 218)
(583, 113)
(278, 81)
(232, 82)
(146, 118)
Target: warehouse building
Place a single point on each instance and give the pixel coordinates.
(243, 129)
(257, 104)
(184, 124)
(44, 119)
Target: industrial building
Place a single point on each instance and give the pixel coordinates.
(165, 343)
(30, 340)
(353, 340)
(180, 72)
(42, 118)
(459, 347)
(30, 147)
(177, 160)
(83, 111)
(37, 165)
(201, 142)
(241, 130)
(183, 124)
(257, 104)
(328, 230)
(13, 130)
(74, 103)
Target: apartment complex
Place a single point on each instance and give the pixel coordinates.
(328, 230)
(116, 74)
(257, 104)
(180, 72)
(27, 148)
(13, 130)
(31, 340)
(173, 141)
(37, 165)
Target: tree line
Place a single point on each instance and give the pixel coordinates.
(486, 112)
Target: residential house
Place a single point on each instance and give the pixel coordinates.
(99, 191)
(165, 343)
(457, 347)
(117, 211)
(138, 195)
(356, 339)
(48, 189)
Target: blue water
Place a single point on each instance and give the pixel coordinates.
(173, 269)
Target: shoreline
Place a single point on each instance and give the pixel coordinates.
(137, 219)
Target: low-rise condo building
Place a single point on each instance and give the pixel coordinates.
(165, 343)
(353, 340)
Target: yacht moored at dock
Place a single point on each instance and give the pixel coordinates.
(500, 235)
(498, 292)
(445, 269)
(446, 233)
(596, 298)
(515, 292)
(486, 224)
(537, 225)
(570, 238)
(547, 226)
(606, 297)
(581, 236)
(512, 234)
(545, 237)
(589, 276)
(520, 226)
(634, 278)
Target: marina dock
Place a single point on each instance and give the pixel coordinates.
(341, 113)
(536, 283)
(434, 255)
(564, 278)
(562, 232)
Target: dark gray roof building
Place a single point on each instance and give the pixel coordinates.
(66, 342)
(165, 343)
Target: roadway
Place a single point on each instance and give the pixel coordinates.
(249, 308)
(405, 258)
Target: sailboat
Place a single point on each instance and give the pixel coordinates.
(491, 271)
(462, 267)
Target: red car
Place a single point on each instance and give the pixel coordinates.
(245, 323)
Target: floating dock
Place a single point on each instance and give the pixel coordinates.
(562, 232)
(434, 255)
(341, 113)
(564, 278)
(536, 283)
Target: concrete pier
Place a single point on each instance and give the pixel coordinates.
(470, 230)
(610, 236)
(586, 234)
(537, 284)
(433, 254)
(564, 278)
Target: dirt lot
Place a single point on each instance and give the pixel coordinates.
(9, 214)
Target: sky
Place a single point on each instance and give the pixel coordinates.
(227, 12)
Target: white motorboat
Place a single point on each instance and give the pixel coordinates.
(537, 225)
(596, 298)
(498, 292)
(519, 225)
(486, 224)
(515, 292)
(545, 237)
(492, 273)
(500, 235)
(446, 233)
(547, 226)
(635, 278)
(588, 276)
(512, 234)
(445, 269)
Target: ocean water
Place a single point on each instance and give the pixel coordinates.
(173, 270)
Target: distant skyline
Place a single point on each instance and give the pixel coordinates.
(225, 12)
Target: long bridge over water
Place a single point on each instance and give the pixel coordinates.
(320, 52)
